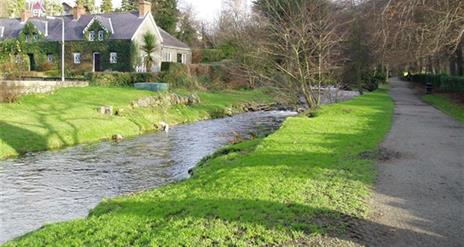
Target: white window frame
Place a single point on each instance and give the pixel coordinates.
(184, 58)
(77, 58)
(113, 57)
(92, 36)
(101, 35)
(167, 56)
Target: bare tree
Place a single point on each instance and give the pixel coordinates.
(302, 41)
(418, 32)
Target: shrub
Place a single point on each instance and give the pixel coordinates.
(9, 96)
(452, 83)
(372, 79)
(442, 82)
(229, 48)
(212, 55)
(178, 76)
(119, 79)
(165, 66)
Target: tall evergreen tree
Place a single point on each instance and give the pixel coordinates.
(90, 5)
(107, 6)
(186, 28)
(53, 7)
(166, 14)
(15, 7)
(128, 5)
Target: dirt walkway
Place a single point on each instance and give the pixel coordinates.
(419, 193)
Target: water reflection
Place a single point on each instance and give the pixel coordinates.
(47, 187)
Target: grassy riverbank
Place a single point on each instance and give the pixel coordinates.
(70, 116)
(445, 104)
(306, 180)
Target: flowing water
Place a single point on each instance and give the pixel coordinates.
(53, 186)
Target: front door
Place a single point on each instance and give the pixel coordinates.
(32, 65)
(96, 61)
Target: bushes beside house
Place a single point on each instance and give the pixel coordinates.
(442, 82)
(215, 76)
(207, 55)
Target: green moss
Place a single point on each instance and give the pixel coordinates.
(70, 116)
(446, 105)
(304, 180)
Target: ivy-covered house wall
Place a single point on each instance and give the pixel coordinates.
(39, 54)
(124, 49)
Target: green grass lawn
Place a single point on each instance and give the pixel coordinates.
(70, 116)
(446, 105)
(290, 188)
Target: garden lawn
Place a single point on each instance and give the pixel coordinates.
(446, 105)
(70, 116)
(305, 180)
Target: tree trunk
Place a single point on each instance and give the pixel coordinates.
(459, 61)
(452, 65)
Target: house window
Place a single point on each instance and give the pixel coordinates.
(50, 58)
(77, 58)
(179, 57)
(113, 57)
(167, 56)
(184, 58)
(92, 36)
(101, 35)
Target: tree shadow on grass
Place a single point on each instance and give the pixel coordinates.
(239, 214)
(21, 139)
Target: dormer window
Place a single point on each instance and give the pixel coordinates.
(101, 35)
(92, 36)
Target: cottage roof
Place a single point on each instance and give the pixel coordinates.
(122, 25)
(169, 40)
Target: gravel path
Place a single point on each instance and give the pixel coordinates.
(419, 194)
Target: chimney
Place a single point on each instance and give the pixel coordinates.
(25, 15)
(78, 11)
(144, 8)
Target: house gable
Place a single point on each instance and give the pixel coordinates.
(148, 25)
(96, 31)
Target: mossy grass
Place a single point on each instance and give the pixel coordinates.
(301, 182)
(446, 104)
(70, 116)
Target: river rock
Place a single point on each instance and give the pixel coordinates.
(164, 126)
(193, 99)
(117, 138)
(165, 100)
(107, 110)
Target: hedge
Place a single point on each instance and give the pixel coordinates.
(119, 79)
(443, 82)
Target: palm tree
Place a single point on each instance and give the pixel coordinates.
(149, 47)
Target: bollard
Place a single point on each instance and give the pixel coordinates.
(428, 88)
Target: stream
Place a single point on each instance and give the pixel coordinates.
(53, 186)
